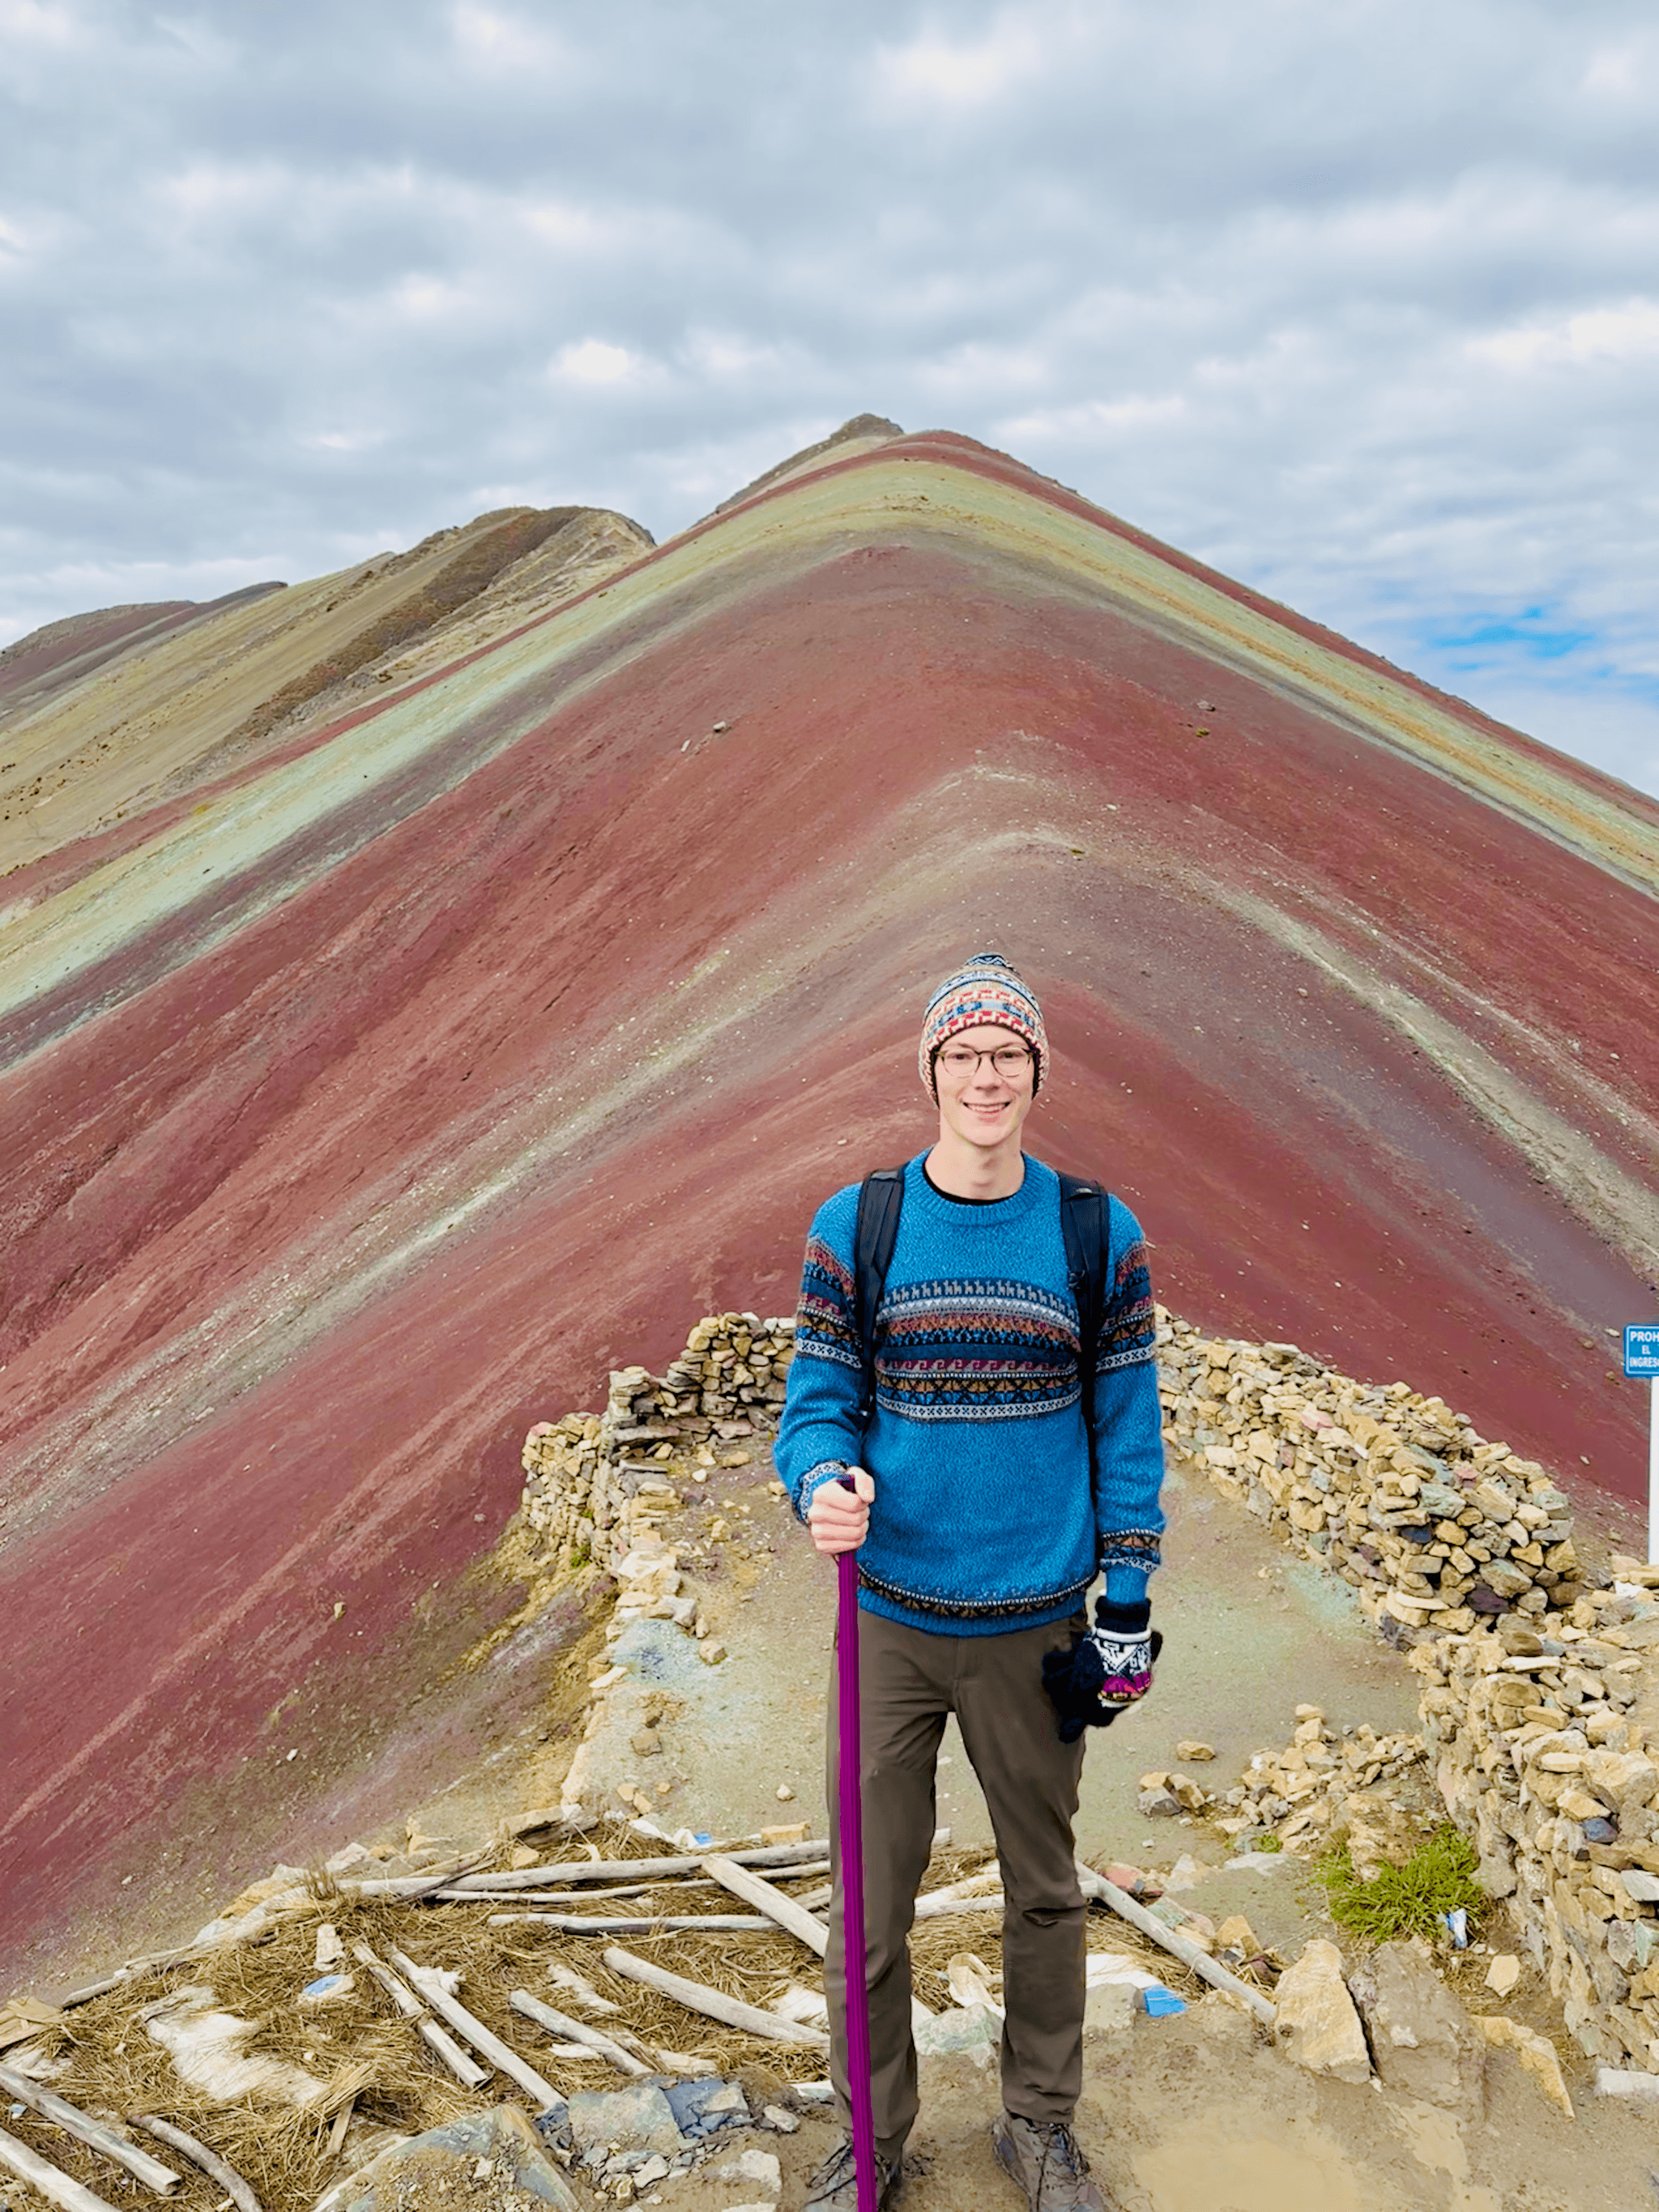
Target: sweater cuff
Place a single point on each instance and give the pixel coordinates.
(827, 1470)
(1126, 1587)
(1124, 1617)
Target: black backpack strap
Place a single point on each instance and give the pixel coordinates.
(880, 1196)
(1082, 1223)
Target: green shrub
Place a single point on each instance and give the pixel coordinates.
(1403, 1900)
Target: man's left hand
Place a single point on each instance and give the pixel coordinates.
(1105, 1671)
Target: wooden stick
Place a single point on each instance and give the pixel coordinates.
(93, 2133)
(664, 1923)
(342, 2122)
(567, 1896)
(501, 2055)
(715, 2004)
(773, 1855)
(576, 2030)
(755, 1890)
(944, 1907)
(970, 1885)
(209, 2160)
(466, 2070)
(1178, 1946)
(28, 2166)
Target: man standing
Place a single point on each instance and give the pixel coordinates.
(982, 1516)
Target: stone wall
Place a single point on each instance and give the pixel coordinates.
(598, 1481)
(1435, 1526)
(1537, 1695)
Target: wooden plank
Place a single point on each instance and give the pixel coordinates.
(576, 2031)
(40, 2173)
(667, 1924)
(1178, 1946)
(771, 1854)
(106, 2141)
(198, 2153)
(754, 1889)
(501, 2056)
(714, 2004)
(437, 2040)
(588, 1897)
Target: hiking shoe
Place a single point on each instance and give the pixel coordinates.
(1043, 2158)
(834, 2186)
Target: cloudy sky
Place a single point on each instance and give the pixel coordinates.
(1358, 301)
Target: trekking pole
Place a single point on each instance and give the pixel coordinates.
(850, 1830)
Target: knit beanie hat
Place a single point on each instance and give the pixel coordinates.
(987, 990)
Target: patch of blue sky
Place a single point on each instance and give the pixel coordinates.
(1533, 632)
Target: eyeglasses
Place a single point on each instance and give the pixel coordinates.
(1010, 1060)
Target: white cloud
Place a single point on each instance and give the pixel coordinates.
(1626, 333)
(932, 70)
(594, 361)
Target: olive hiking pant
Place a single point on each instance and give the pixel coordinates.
(910, 1680)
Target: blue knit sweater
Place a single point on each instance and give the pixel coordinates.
(985, 1518)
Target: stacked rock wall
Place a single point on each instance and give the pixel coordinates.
(597, 1481)
(1541, 1757)
(1396, 1493)
(1537, 1693)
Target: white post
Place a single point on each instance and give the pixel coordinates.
(1653, 1473)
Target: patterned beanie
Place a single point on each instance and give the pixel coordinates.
(987, 990)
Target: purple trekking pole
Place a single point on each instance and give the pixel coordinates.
(850, 1813)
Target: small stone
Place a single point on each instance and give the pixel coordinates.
(1317, 2022)
(753, 2165)
(774, 2115)
(1194, 1751)
(960, 2029)
(795, 1832)
(523, 1856)
(1640, 1885)
(1536, 2056)
(711, 1653)
(637, 2119)
(1109, 2008)
(1503, 1973)
(784, 1793)
(1158, 1804)
(1236, 1933)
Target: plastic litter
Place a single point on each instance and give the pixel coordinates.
(1457, 1926)
(1159, 2003)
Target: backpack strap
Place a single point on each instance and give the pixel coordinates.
(1082, 1223)
(880, 1196)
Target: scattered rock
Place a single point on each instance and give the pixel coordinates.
(1502, 1973)
(1535, 2055)
(757, 2165)
(640, 2118)
(1421, 2038)
(1193, 1753)
(447, 2159)
(960, 2029)
(1317, 2022)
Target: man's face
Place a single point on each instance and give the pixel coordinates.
(980, 1101)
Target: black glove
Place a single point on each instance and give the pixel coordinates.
(1110, 1667)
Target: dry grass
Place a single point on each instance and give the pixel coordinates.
(359, 2045)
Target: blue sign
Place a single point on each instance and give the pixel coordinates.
(1642, 1348)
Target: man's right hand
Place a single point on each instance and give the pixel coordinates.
(838, 1517)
